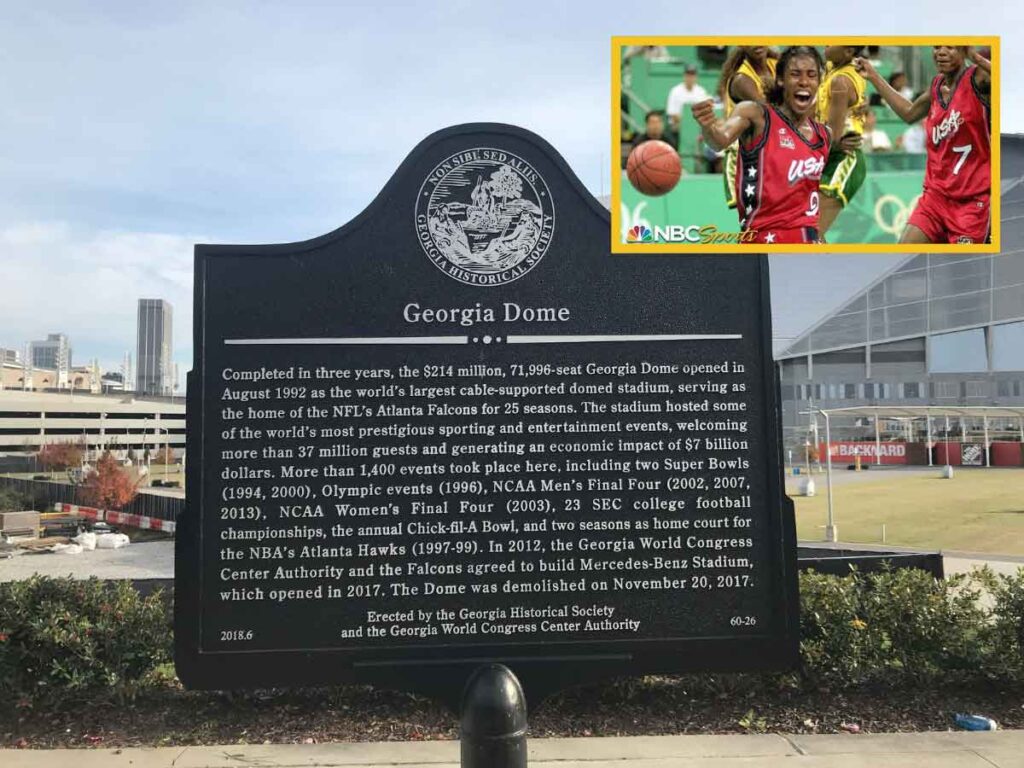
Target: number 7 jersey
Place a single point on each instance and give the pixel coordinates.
(778, 174)
(957, 136)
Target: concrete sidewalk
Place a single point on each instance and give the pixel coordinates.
(1002, 749)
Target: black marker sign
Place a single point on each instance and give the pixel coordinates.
(458, 430)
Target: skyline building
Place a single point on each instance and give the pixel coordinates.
(154, 370)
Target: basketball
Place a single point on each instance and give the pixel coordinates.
(653, 168)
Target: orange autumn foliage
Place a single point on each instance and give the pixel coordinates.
(109, 486)
(59, 456)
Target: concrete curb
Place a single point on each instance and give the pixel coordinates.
(1003, 749)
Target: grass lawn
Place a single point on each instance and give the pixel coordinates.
(171, 472)
(978, 510)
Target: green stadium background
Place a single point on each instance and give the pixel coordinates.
(876, 215)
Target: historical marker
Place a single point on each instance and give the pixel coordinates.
(458, 430)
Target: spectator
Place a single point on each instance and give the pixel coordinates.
(649, 52)
(875, 140)
(911, 140)
(656, 130)
(898, 80)
(712, 56)
(687, 92)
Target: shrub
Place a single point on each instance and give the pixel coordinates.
(12, 500)
(834, 645)
(903, 627)
(1006, 593)
(62, 638)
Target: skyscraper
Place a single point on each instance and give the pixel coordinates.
(153, 368)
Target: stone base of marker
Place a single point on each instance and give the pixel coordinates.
(832, 533)
(807, 487)
(947, 472)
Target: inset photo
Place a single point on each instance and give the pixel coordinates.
(804, 144)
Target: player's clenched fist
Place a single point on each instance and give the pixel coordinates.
(864, 67)
(704, 112)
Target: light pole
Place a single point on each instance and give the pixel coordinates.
(831, 532)
(947, 471)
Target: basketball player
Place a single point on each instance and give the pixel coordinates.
(841, 105)
(782, 151)
(746, 75)
(954, 207)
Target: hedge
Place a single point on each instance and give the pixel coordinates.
(66, 639)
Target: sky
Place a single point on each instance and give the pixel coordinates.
(133, 130)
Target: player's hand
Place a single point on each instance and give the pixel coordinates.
(864, 67)
(977, 58)
(704, 112)
(851, 142)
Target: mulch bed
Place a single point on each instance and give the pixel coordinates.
(650, 706)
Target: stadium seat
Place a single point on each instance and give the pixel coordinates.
(684, 54)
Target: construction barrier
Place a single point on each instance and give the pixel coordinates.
(119, 518)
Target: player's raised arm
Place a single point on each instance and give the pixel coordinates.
(743, 88)
(908, 111)
(983, 74)
(977, 58)
(747, 117)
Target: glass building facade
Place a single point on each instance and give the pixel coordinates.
(154, 371)
(935, 330)
(54, 353)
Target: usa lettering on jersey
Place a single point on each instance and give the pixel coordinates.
(810, 168)
(948, 127)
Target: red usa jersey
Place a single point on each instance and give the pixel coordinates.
(957, 136)
(778, 174)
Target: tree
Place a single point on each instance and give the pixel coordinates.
(164, 456)
(109, 486)
(506, 183)
(61, 456)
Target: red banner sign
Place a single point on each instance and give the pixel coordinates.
(845, 451)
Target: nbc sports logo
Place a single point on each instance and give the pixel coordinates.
(639, 234)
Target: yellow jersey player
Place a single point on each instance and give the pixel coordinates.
(842, 103)
(744, 77)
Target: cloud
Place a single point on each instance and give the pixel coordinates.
(87, 285)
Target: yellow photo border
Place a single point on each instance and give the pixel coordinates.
(619, 41)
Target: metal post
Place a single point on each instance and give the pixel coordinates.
(988, 447)
(493, 723)
(830, 527)
(928, 418)
(878, 442)
(947, 471)
(817, 439)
